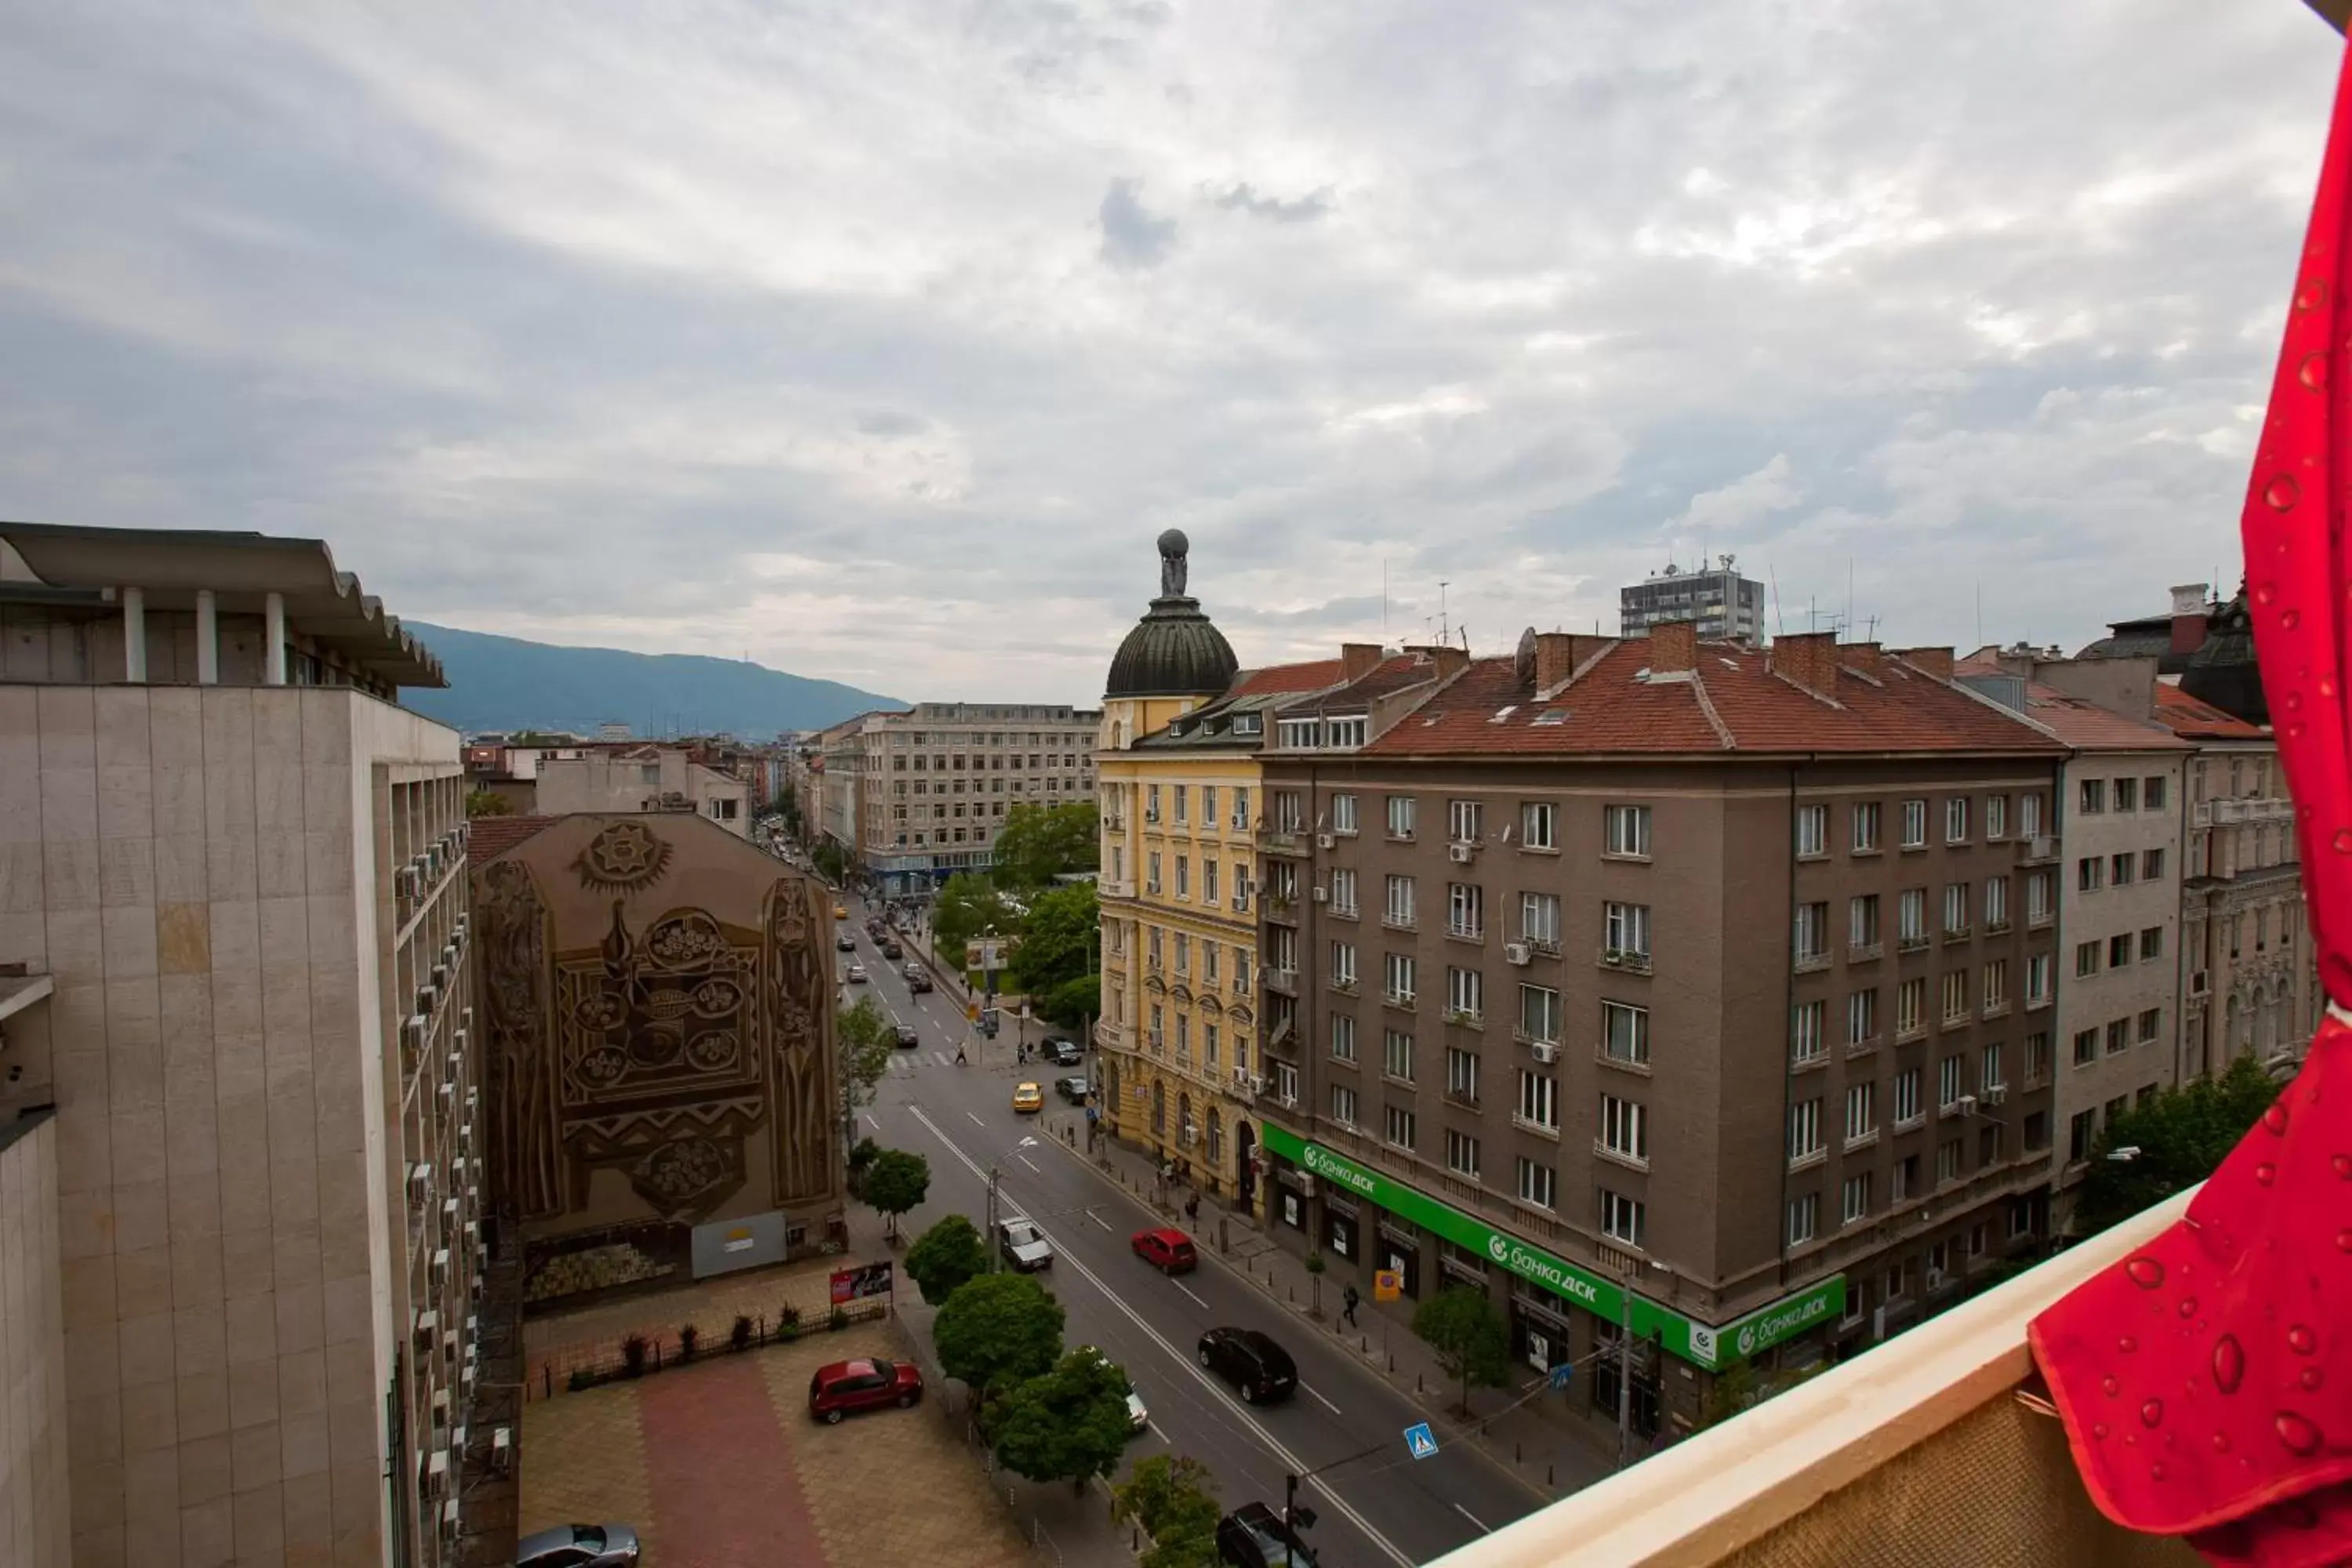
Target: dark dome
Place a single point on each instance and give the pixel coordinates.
(1174, 651)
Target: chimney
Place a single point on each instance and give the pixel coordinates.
(1864, 658)
(1936, 661)
(1449, 661)
(1357, 659)
(1810, 660)
(2189, 616)
(1555, 660)
(1674, 647)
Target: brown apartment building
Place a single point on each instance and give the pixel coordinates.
(1721, 974)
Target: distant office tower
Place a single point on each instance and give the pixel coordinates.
(1720, 602)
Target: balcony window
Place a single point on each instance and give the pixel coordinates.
(1947, 1084)
(1343, 964)
(1241, 806)
(1343, 890)
(1540, 1015)
(1806, 1044)
(1996, 816)
(1626, 929)
(2040, 901)
(1538, 1184)
(1854, 1198)
(1151, 872)
(1955, 819)
(1627, 831)
(1462, 1075)
(1812, 933)
(1911, 916)
(2092, 797)
(1462, 1154)
(1151, 801)
(1343, 1106)
(2037, 1057)
(2029, 817)
(1812, 831)
(1804, 1129)
(1861, 1018)
(1955, 909)
(1804, 1218)
(1915, 824)
(1289, 812)
(1398, 909)
(1625, 1128)
(1861, 1112)
(1540, 919)
(1907, 1097)
(1996, 904)
(1866, 829)
(1343, 1037)
(1862, 921)
(1343, 813)
(1399, 1127)
(1538, 1100)
(1466, 821)
(1625, 1032)
(1910, 1007)
(1401, 816)
(1996, 987)
(1955, 996)
(1988, 1069)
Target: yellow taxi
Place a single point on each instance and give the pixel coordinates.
(840, 913)
(1028, 1097)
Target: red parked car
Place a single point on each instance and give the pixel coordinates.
(1167, 1249)
(847, 1386)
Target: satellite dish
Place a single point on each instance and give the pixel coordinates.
(1523, 662)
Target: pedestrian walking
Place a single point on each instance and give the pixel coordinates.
(1348, 1300)
(959, 1053)
(1192, 1209)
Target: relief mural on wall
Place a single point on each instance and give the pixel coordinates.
(665, 1049)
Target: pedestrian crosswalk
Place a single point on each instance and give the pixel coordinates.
(904, 1065)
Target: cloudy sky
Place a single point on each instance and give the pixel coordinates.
(880, 338)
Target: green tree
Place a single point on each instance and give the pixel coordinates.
(967, 906)
(1039, 843)
(1074, 1003)
(895, 1183)
(2179, 1136)
(1174, 1498)
(829, 860)
(946, 1256)
(998, 1330)
(1057, 938)
(1472, 1343)
(1070, 1425)
(488, 802)
(863, 1037)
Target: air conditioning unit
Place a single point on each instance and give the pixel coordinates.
(1322, 895)
(1968, 1105)
(449, 1208)
(1256, 1083)
(412, 1031)
(1191, 1135)
(441, 1265)
(437, 1470)
(501, 1448)
(440, 1405)
(1996, 1094)
(423, 1326)
(449, 1519)
(420, 1183)
(2041, 848)
(1461, 854)
(1517, 953)
(1545, 1051)
(426, 995)
(1327, 840)
(1306, 1184)
(441, 976)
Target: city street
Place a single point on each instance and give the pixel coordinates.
(1384, 1507)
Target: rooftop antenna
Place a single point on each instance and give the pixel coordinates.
(1779, 625)
(1444, 634)
(1979, 612)
(1384, 601)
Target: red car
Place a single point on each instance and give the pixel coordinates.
(852, 1386)
(1167, 1249)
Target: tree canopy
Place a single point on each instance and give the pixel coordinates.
(998, 1330)
(2180, 1136)
(1072, 1003)
(488, 802)
(945, 1258)
(897, 1181)
(1070, 1425)
(967, 906)
(1057, 936)
(1174, 1498)
(1472, 1342)
(1039, 843)
(865, 1038)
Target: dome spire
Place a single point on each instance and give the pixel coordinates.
(1174, 650)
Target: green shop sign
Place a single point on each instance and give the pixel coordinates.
(1699, 1344)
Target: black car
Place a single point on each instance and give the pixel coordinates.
(907, 1037)
(845, 943)
(1260, 1370)
(890, 948)
(1254, 1536)
(1065, 1053)
(1072, 1089)
(918, 979)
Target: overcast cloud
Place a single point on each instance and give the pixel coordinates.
(878, 340)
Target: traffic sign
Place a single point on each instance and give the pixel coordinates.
(1559, 1377)
(1420, 1441)
(1388, 1284)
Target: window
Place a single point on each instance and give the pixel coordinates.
(1996, 986)
(2087, 1047)
(1401, 816)
(1285, 1082)
(1240, 806)
(1343, 1105)
(2151, 792)
(1466, 821)
(1397, 984)
(1540, 1014)
(1397, 909)
(1625, 1032)
(1805, 1042)
(1343, 813)
(2040, 901)
(1626, 929)
(1625, 1128)
(1343, 964)
(1208, 951)
(1399, 1126)
(1183, 953)
(1151, 872)
(2029, 817)
(1466, 909)
(1947, 1083)
(1950, 1157)
(1181, 797)
(2079, 1132)
(1462, 1075)
(2118, 1033)
(1955, 819)
(1861, 1019)
(1628, 829)
(2127, 794)
(2151, 866)
(1861, 1111)
(1804, 1129)
(1466, 993)
(1866, 828)
(1184, 876)
(1152, 803)
(1623, 1218)
(2119, 950)
(1911, 916)
(1955, 996)
(2086, 959)
(1955, 909)
(1804, 1218)
(1343, 1037)
(1540, 919)
(1996, 904)
(2093, 798)
(1343, 890)
(1346, 734)
(1862, 922)
(1539, 826)
(2148, 1023)
(2151, 943)
(1208, 806)
(1989, 1069)
(1911, 1007)
(1539, 1100)
(1538, 1184)
(1996, 816)
(2037, 1055)
(1813, 830)
(1462, 1154)
(1915, 824)
(1812, 934)
(1396, 1055)
(1297, 732)
(1907, 1097)
(2120, 868)
(1854, 1197)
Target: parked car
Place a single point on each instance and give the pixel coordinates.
(1028, 1097)
(891, 949)
(1025, 1245)
(1254, 1536)
(846, 1388)
(845, 943)
(858, 975)
(918, 979)
(1165, 1249)
(1073, 1089)
(1138, 1417)
(1065, 1053)
(1260, 1371)
(907, 1037)
(579, 1546)
(840, 913)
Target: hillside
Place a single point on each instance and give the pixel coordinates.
(506, 683)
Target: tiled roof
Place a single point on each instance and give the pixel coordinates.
(493, 836)
(1391, 675)
(1733, 702)
(1275, 679)
(2186, 716)
(2088, 726)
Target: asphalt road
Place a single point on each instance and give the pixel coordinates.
(1382, 1507)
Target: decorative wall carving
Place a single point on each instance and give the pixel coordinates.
(800, 992)
(625, 857)
(514, 971)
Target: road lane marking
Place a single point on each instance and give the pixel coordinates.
(976, 1121)
(1318, 1398)
(1196, 1300)
(1028, 1162)
(1473, 1518)
(871, 1122)
(1218, 1393)
(1098, 1219)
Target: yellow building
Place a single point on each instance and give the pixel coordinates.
(1178, 775)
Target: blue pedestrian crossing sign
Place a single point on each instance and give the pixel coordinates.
(1559, 1377)
(1420, 1440)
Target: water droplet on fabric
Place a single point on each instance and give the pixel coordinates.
(2301, 1340)
(2311, 1379)
(2126, 1344)
(2112, 1386)
(2148, 1273)
(2099, 1430)
(2265, 593)
(2341, 1163)
(2282, 492)
(2266, 1173)
(2274, 1119)
(2296, 1434)
(2290, 619)
(2188, 1307)
(2155, 1472)
(2229, 1363)
(2312, 372)
(2342, 844)
(2312, 296)
(2221, 1442)
(2152, 1413)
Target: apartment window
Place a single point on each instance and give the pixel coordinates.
(1996, 816)
(1903, 1181)
(1399, 1126)
(2087, 1047)
(2080, 1129)
(1804, 1218)
(1397, 985)
(1396, 1055)
(1240, 806)
(2086, 959)
(1343, 1105)
(1806, 1044)
(2039, 899)
(1862, 921)
(1996, 904)
(1289, 812)
(1854, 1197)
(1539, 1100)
(1208, 951)
(1540, 825)
(2151, 866)
(2037, 1055)
(1466, 821)
(1625, 1128)
(1950, 1156)
(1208, 881)
(1955, 996)
(1623, 1218)
(2093, 798)
(2120, 868)
(1183, 953)
(1343, 963)
(1947, 1083)
(2152, 792)
(2148, 1023)
(1989, 1069)
(1911, 915)
(2118, 1033)
(1955, 819)
(1150, 803)
(1538, 1184)
(1540, 919)
(1804, 1129)
(1346, 734)
(2119, 950)
(1626, 929)
(1628, 830)
(2127, 794)
(1181, 798)
(1462, 1074)
(1397, 906)
(1343, 890)
(1861, 1019)
(1866, 828)
(1540, 1014)
(1401, 816)
(1955, 909)
(2151, 943)
(1813, 830)
(1466, 909)
(1907, 1097)
(1343, 1037)
(1343, 813)
(1462, 1154)
(1625, 1032)
(1466, 992)
(1208, 806)
(2029, 817)
(1996, 986)
(1812, 934)
(1911, 1007)
(1915, 824)
(1151, 872)
(1861, 1111)
(1184, 876)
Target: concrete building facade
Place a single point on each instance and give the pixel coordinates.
(1720, 603)
(926, 792)
(643, 777)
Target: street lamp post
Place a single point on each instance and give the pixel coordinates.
(996, 1177)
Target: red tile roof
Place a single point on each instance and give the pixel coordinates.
(2188, 717)
(1733, 701)
(1279, 677)
(1392, 674)
(2088, 726)
(494, 835)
